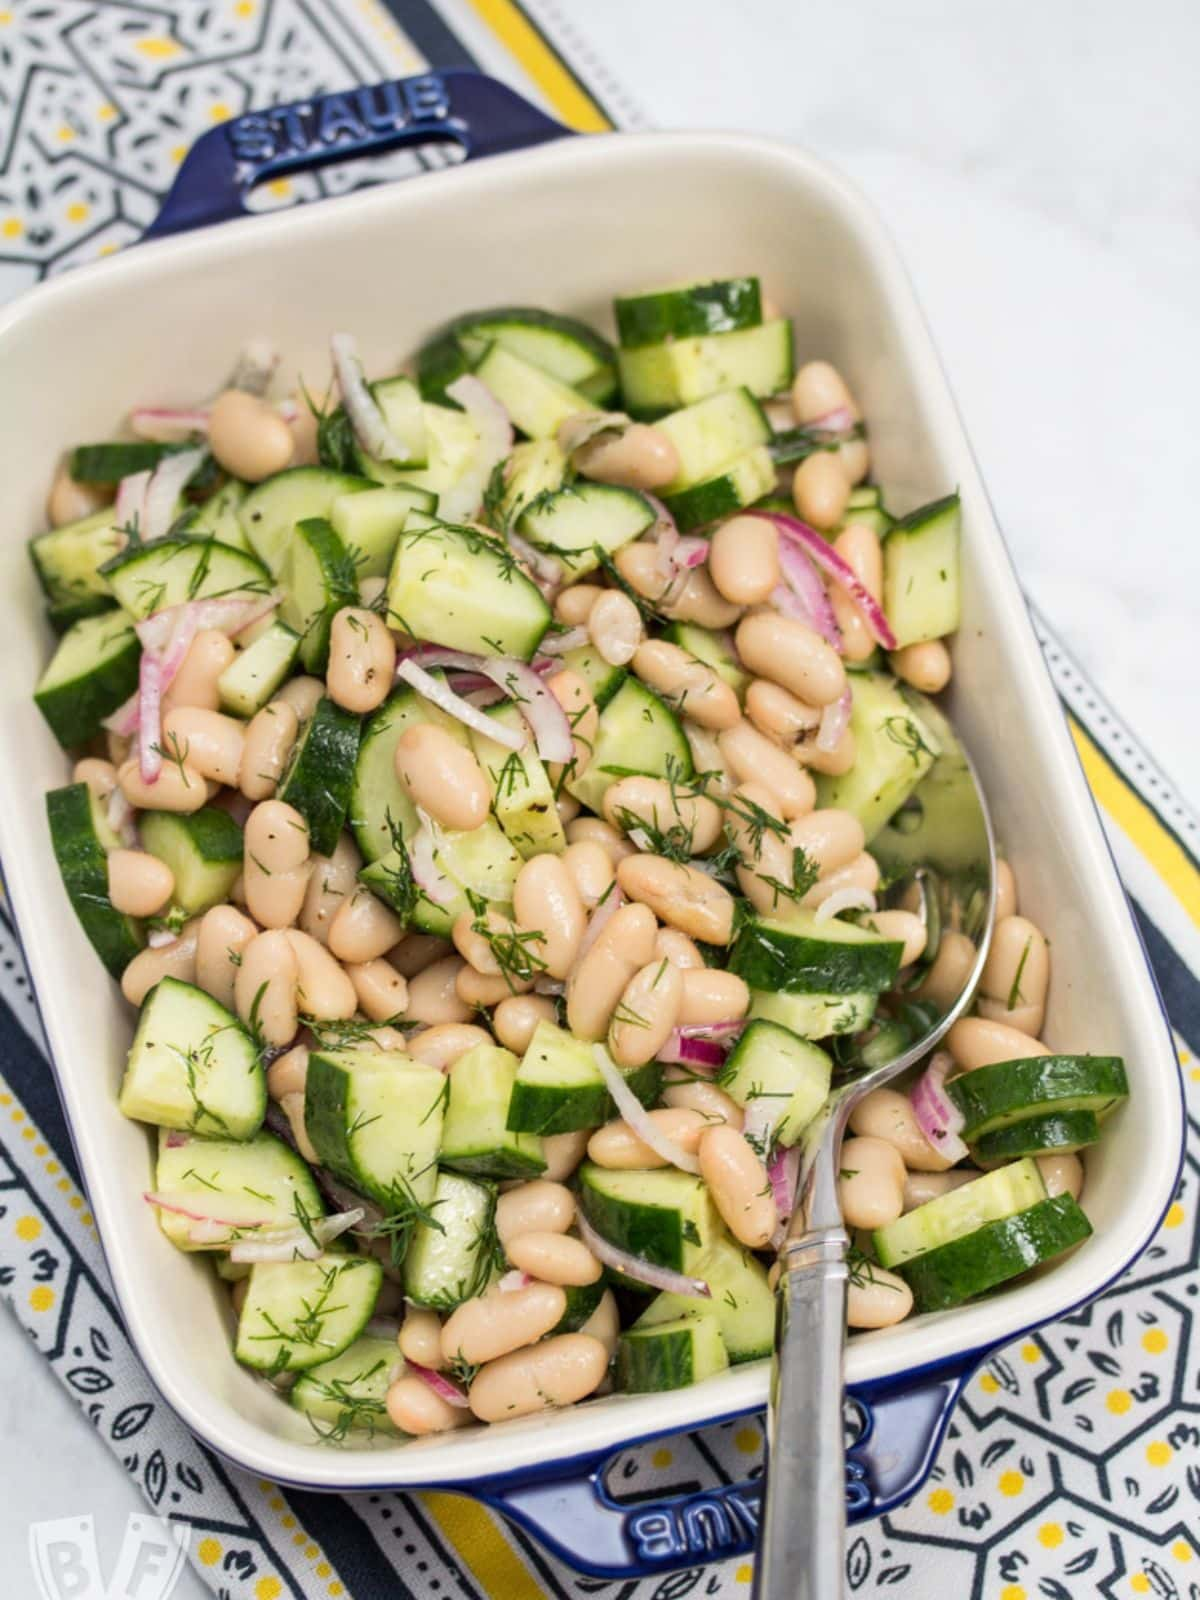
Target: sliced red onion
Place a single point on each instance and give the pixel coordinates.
(118, 813)
(176, 1139)
(605, 910)
(714, 1030)
(129, 508)
(549, 722)
(441, 1386)
(366, 419)
(557, 644)
(827, 558)
(635, 1114)
(783, 1171)
(847, 899)
(440, 694)
(465, 495)
(840, 420)
(691, 552)
(199, 1208)
(512, 1281)
(802, 595)
(546, 571)
(637, 1268)
(665, 534)
(705, 1055)
(158, 937)
(167, 482)
(124, 720)
(427, 875)
(835, 719)
(289, 1243)
(940, 1119)
(168, 424)
(149, 724)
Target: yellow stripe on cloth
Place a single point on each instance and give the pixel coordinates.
(475, 1534)
(561, 88)
(1139, 823)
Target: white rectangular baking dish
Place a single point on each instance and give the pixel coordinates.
(563, 226)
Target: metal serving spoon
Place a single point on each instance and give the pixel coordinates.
(942, 843)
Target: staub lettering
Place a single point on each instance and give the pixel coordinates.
(357, 117)
(719, 1523)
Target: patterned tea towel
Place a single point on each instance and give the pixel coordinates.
(1072, 1464)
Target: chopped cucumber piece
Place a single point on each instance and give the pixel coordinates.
(601, 677)
(742, 1299)
(480, 862)
(770, 1063)
(319, 577)
(799, 955)
(271, 510)
(921, 572)
(895, 749)
(564, 347)
(115, 459)
(262, 1183)
(522, 795)
(453, 586)
(68, 560)
(663, 1216)
(369, 524)
(995, 1252)
(960, 1212)
(713, 433)
(1009, 1091)
(663, 377)
(79, 836)
(203, 850)
(536, 402)
(150, 577)
(535, 468)
(218, 517)
(300, 1314)
(582, 1300)
(93, 671)
(575, 523)
(1055, 1132)
(399, 400)
(319, 778)
(476, 1138)
(349, 1393)
(193, 1066)
(669, 1355)
(453, 444)
(736, 486)
(250, 680)
(376, 1123)
(637, 732)
(380, 808)
(720, 306)
(449, 1257)
(814, 1016)
(558, 1086)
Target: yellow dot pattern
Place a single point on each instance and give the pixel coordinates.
(748, 1441)
(661, 1458)
(1011, 1482)
(988, 1384)
(1181, 1550)
(1174, 1216)
(940, 1501)
(744, 1573)
(156, 48)
(268, 1588)
(41, 1297)
(1012, 1591)
(1154, 1341)
(1140, 1583)
(208, 1552)
(28, 1228)
(1118, 1401)
(1030, 1353)
(1158, 1452)
(1050, 1535)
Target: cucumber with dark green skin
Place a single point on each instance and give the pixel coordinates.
(582, 1301)
(637, 732)
(376, 1124)
(115, 459)
(301, 1314)
(271, 510)
(960, 1213)
(475, 1139)
(203, 849)
(320, 774)
(350, 1391)
(1009, 1091)
(1055, 1133)
(799, 955)
(558, 1087)
(150, 577)
(93, 671)
(68, 560)
(563, 347)
(921, 572)
(669, 1355)
(663, 1216)
(721, 306)
(79, 852)
(770, 1063)
(192, 1065)
(741, 1297)
(601, 677)
(319, 578)
(714, 649)
(732, 489)
(379, 803)
(579, 523)
(994, 1253)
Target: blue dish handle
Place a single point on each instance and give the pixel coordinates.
(479, 113)
(895, 1431)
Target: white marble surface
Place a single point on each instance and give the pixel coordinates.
(1040, 167)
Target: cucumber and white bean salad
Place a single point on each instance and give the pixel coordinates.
(480, 794)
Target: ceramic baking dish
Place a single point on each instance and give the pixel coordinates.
(564, 225)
